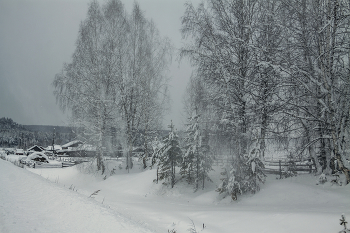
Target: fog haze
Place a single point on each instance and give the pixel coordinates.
(37, 37)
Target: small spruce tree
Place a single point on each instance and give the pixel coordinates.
(196, 162)
(243, 176)
(168, 156)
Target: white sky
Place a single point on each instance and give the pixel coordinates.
(38, 36)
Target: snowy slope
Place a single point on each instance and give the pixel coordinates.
(30, 203)
(291, 205)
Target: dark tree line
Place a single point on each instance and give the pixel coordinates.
(13, 135)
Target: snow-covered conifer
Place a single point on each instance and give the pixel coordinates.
(243, 175)
(197, 162)
(168, 156)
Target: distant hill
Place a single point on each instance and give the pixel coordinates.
(7, 124)
(48, 128)
(13, 134)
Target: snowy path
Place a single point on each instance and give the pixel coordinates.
(29, 203)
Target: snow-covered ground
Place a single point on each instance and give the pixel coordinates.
(29, 203)
(57, 200)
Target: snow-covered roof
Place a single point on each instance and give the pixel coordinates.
(37, 155)
(72, 143)
(35, 148)
(56, 147)
(87, 147)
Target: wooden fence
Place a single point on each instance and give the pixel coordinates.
(280, 167)
(287, 168)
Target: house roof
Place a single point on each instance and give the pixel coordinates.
(35, 148)
(87, 147)
(56, 147)
(72, 143)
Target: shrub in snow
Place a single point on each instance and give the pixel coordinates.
(243, 176)
(193, 229)
(322, 179)
(88, 167)
(343, 222)
(18, 163)
(94, 193)
(147, 148)
(336, 180)
(291, 168)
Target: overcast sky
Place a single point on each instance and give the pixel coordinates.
(38, 36)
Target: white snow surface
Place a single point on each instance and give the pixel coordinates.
(57, 200)
(30, 203)
(37, 155)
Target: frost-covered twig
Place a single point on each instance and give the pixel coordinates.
(192, 229)
(344, 222)
(94, 193)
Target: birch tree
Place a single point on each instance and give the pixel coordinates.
(220, 33)
(268, 90)
(82, 86)
(117, 76)
(320, 49)
(144, 85)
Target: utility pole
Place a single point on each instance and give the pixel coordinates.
(53, 142)
(172, 162)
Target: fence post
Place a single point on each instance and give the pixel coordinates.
(310, 167)
(279, 162)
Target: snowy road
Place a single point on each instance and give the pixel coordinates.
(29, 203)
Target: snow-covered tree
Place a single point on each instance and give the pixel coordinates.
(275, 68)
(117, 76)
(86, 86)
(168, 157)
(234, 46)
(318, 66)
(143, 85)
(197, 161)
(220, 33)
(243, 175)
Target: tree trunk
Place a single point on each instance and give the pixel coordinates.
(197, 168)
(316, 161)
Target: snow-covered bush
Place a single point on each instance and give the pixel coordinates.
(193, 229)
(18, 163)
(243, 176)
(88, 167)
(2, 156)
(343, 222)
(336, 180)
(291, 168)
(322, 179)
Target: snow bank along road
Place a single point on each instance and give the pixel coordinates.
(29, 203)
